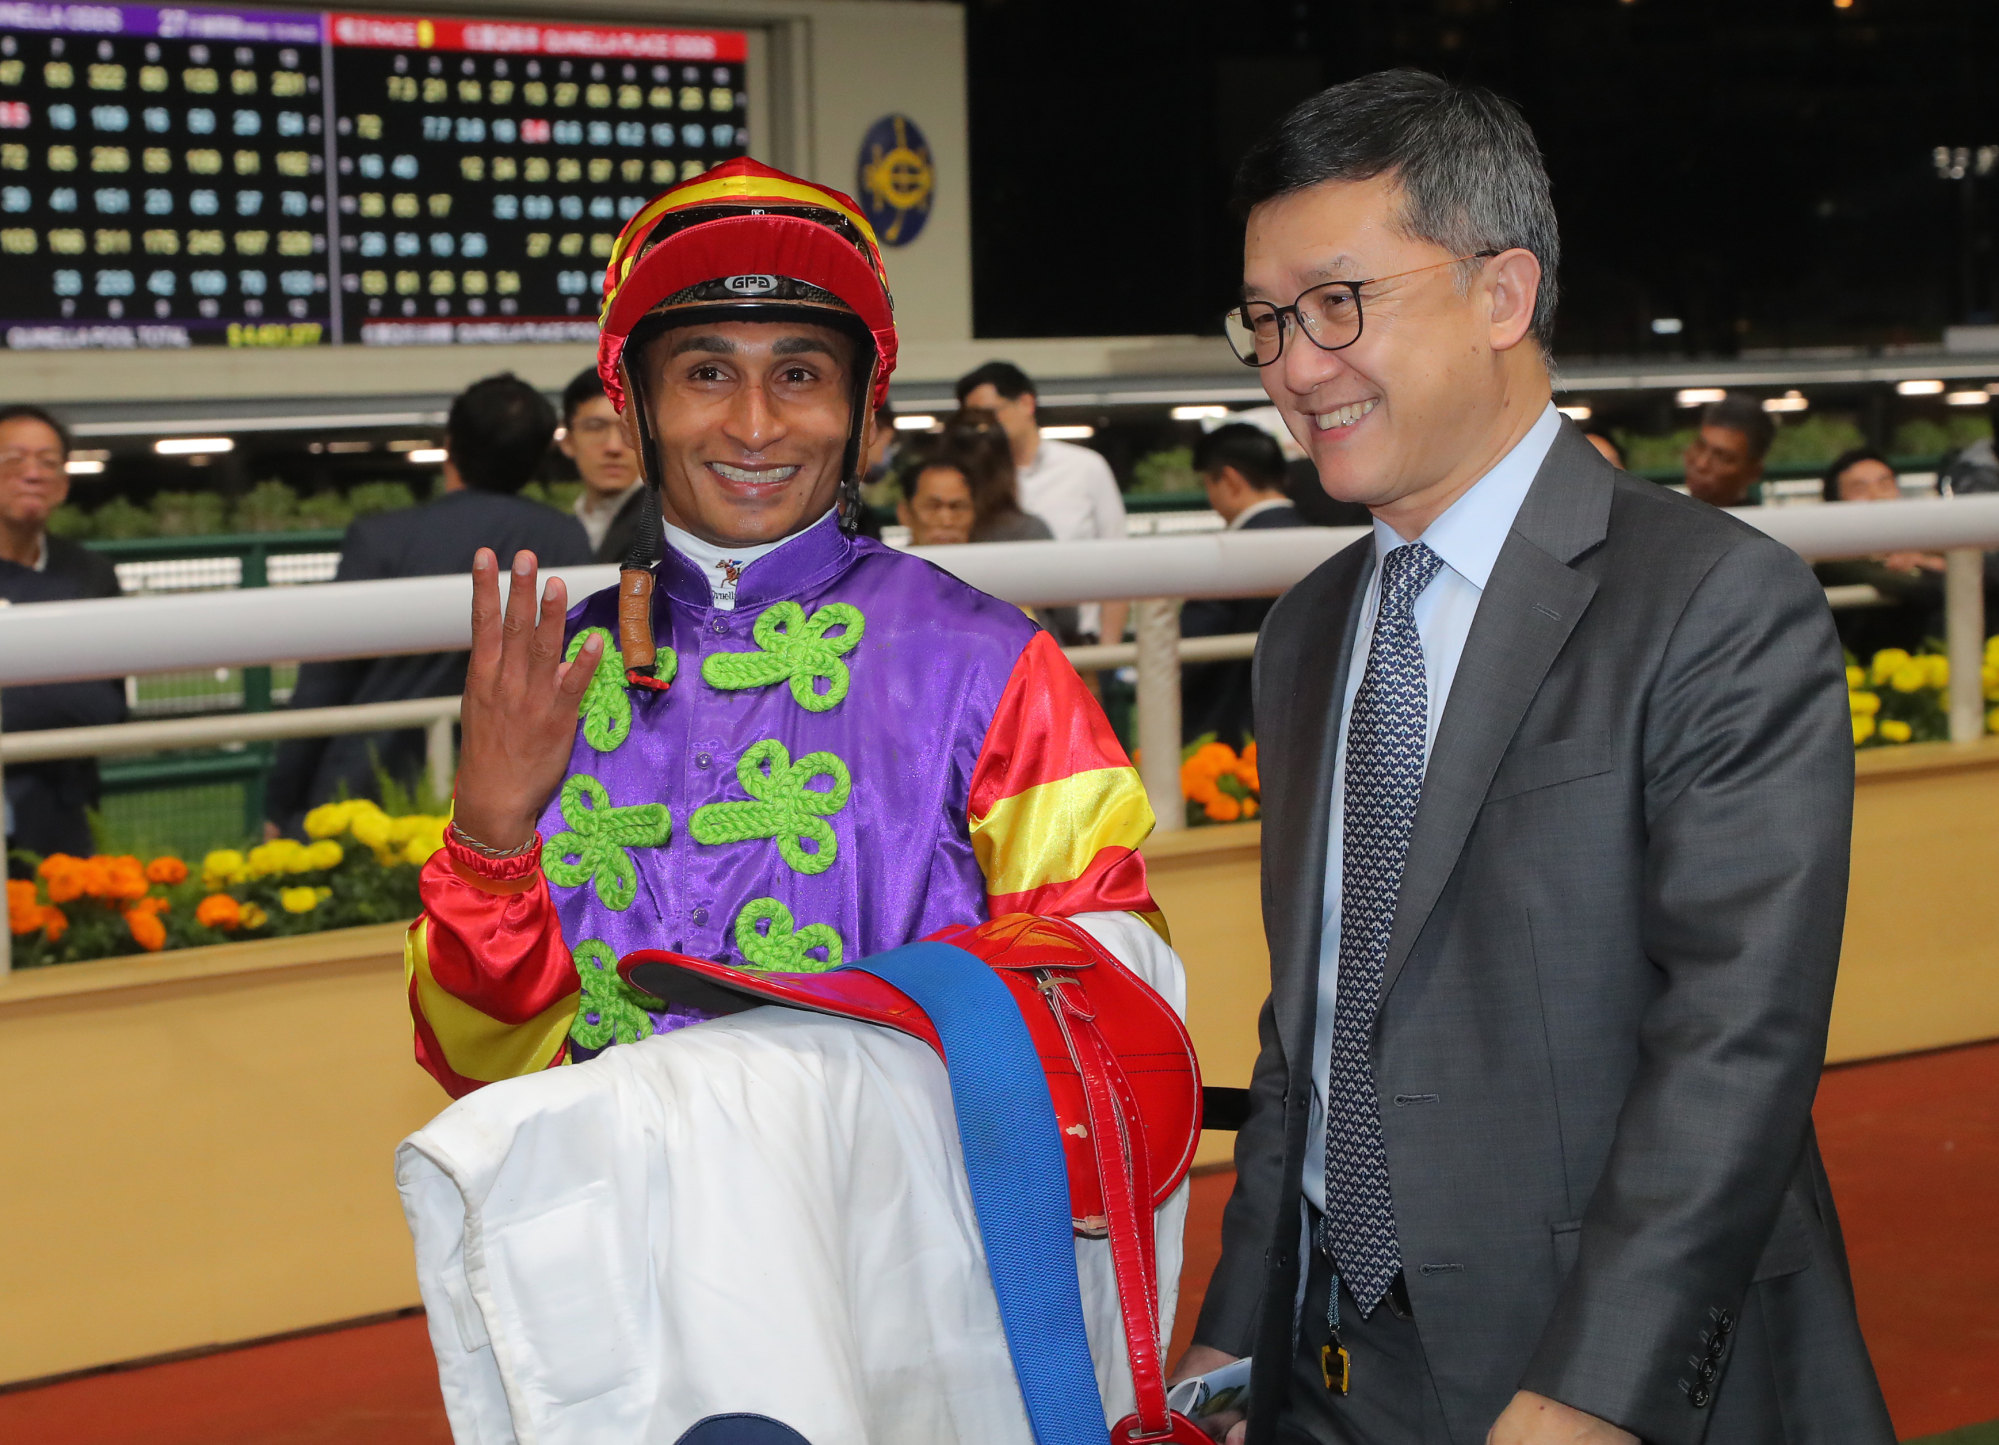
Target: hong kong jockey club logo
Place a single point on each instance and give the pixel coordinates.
(896, 179)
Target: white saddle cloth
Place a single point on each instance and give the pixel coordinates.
(766, 1212)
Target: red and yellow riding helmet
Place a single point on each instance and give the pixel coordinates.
(742, 241)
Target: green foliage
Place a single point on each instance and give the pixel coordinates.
(118, 520)
(401, 802)
(1653, 454)
(71, 522)
(270, 506)
(367, 498)
(1814, 441)
(325, 511)
(1924, 437)
(187, 514)
(1168, 470)
(559, 495)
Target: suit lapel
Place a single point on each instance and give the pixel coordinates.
(1298, 818)
(1531, 604)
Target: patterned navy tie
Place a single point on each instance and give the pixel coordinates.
(1385, 736)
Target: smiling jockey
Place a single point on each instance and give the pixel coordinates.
(780, 747)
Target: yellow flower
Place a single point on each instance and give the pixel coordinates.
(402, 829)
(419, 848)
(1863, 728)
(298, 900)
(372, 827)
(328, 820)
(254, 917)
(1856, 678)
(1894, 730)
(1989, 675)
(1884, 664)
(268, 859)
(1864, 704)
(325, 853)
(1910, 676)
(1938, 668)
(1992, 721)
(221, 868)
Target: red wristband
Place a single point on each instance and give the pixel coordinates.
(494, 875)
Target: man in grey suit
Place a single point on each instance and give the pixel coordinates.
(1557, 787)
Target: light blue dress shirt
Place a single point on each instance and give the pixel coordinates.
(1468, 537)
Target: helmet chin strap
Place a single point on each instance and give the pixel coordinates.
(635, 573)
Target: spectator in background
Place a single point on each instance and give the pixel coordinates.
(47, 804)
(1911, 582)
(1242, 469)
(936, 504)
(614, 496)
(1068, 487)
(961, 489)
(496, 438)
(1725, 459)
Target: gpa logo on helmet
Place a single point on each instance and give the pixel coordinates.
(750, 285)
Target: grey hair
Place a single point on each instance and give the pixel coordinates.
(1470, 171)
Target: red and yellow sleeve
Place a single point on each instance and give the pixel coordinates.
(1057, 811)
(492, 987)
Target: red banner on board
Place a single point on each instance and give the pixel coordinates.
(516, 37)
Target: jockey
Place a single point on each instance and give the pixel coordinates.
(778, 746)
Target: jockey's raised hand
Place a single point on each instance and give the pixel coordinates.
(521, 698)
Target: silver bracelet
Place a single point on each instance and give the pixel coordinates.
(487, 851)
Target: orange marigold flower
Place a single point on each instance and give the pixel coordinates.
(218, 910)
(55, 923)
(149, 904)
(1249, 808)
(64, 875)
(166, 869)
(24, 909)
(147, 930)
(124, 877)
(1245, 769)
(1223, 809)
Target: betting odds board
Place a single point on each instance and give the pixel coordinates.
(174, 178)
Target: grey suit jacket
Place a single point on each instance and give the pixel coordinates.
(1607, 988)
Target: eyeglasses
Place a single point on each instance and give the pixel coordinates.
(938, 507)
(12, 463)
(1329, 313)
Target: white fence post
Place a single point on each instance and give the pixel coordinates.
(438, 759)
(1159, 710)
(1964, 639)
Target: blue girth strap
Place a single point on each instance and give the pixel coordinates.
(1020, 1182)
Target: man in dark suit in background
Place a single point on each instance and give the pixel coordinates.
(496, 436)
(614, 497)
(1242, 469)
(1557, 786)
(47, 805)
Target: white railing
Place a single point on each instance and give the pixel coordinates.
(72, 641)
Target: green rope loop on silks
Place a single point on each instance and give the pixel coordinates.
(598, 838)
(792, 647)
(610, 1011)
(784, 809)
(783, 948)
(606, 708)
